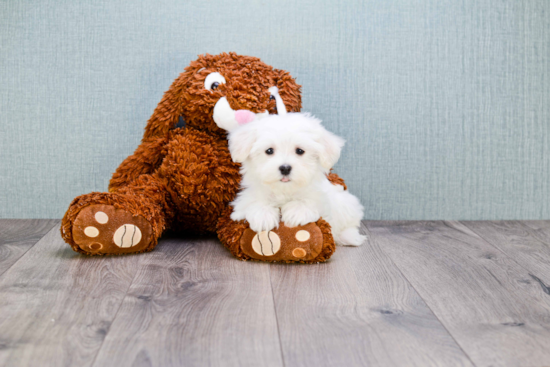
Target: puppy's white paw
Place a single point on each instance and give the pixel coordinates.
(350, 237)
(297, 213)
(264, 219)
(237, 215)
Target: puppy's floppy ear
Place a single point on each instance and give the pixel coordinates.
(331, 147)
(241, 141)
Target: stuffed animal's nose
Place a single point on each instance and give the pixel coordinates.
(244, 116)
(285, 169)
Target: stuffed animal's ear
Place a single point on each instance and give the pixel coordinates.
(241, 141)
(167, 112)
(289, 90)
(331, 148)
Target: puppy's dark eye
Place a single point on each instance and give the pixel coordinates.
(269, 151)
(272, 97)
(215, 85)
(299, 151)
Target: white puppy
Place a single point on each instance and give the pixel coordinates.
(285, 159)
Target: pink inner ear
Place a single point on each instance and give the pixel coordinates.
(244, 116)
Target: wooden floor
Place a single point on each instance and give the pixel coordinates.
(417, 294)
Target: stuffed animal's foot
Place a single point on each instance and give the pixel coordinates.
(309, 243)
(102, 229)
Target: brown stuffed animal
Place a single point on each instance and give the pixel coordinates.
(182, 177)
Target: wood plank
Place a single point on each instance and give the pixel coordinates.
(193, 304)
(483, 297)
(526, 242)
(540, 229)
(56, 305)
(17, 236)
(357, 310)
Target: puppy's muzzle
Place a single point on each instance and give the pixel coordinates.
(285, 169)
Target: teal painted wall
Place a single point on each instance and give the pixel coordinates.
(444, 104)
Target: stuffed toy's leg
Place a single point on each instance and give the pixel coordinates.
(311, 243)
(128, 220)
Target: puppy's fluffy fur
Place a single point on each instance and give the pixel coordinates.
(270, 193)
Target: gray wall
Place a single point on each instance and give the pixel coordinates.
(444, 103)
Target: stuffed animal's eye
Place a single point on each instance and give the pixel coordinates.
(269, 151)
(272, 97)
(213, 81)
(299, 151)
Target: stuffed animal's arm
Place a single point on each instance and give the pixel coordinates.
(336, 180)
(145, 160)
(201, 171)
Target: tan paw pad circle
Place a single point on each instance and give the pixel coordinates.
(91, 231)
(127, 235)
(302, 235)
(266, 243)
(96, 246)
(101, 217)
(298, 252)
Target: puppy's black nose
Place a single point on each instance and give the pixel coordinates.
(285, 169)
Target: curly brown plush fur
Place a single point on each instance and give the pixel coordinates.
(184, 178)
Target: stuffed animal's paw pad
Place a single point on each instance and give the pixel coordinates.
(101, 217)
(127, 235)
(302, 235)
(266, 243)
(302, 243)
(104, 229)
(299, 252)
